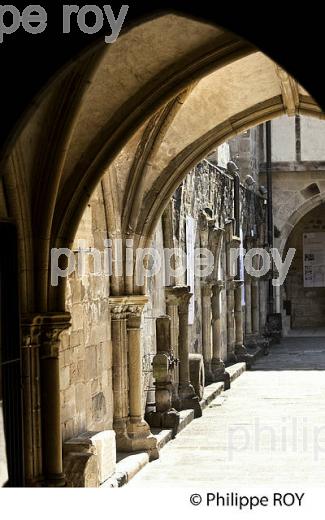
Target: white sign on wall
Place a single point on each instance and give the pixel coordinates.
(314, 259)
(190, 265)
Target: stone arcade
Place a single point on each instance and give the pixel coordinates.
(105, 360)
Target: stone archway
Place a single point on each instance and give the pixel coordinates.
(90, 128)
(296, 215)
(303, 291)
(141, 122)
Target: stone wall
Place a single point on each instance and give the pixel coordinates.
(86, 350)
(306, 306)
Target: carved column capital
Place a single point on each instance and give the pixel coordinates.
(178, 295)
(118, 312)
(217, 287)
(183, 296)
(235, 242)
(126, 307)
(206, 288)
(52, 326)
(134, 315)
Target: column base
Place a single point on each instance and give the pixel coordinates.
(141, 438)
(243, 356)
(188, 400)
(166, 420)
(57, 480)
(231, 357)
(122, 437)
(217, 373)
(147, 442)
(38, 481)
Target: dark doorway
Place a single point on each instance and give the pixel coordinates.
(10, 358)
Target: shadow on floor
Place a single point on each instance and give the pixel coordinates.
(295, 353)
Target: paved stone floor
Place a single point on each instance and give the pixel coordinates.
(268, 429)
(307, 332)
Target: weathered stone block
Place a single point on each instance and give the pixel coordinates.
(64, 378)
(94, 386)
(65, 340)
(98, 407)
(68, 411)
(81, 470)
(106, 453)
(80, 392)
(77, 372)
(67, 429)
(74, 338)
(77, 316)
(90, 458)
(67, 356)
(91, 363)
(80, 353)
(68, 395)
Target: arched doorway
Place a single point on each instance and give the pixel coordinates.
(305, 284)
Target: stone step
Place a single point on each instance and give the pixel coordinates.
(236, 370)
(129, 464)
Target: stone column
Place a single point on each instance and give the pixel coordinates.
(132, 431)
(255, 306)
(206, 226)
(138, 429)
(263, 298)
(248, 305)
(31, 336)
(231, 356)
(256, 295)
(187, 398)
(52, 326)
(172, 311)
(217, 367)
(233, 242)
(164, 364)
(240, 349)
(120, 377)
(239, 341)
(206, 293)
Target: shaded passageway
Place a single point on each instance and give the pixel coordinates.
(103, 169)
(270, 424)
